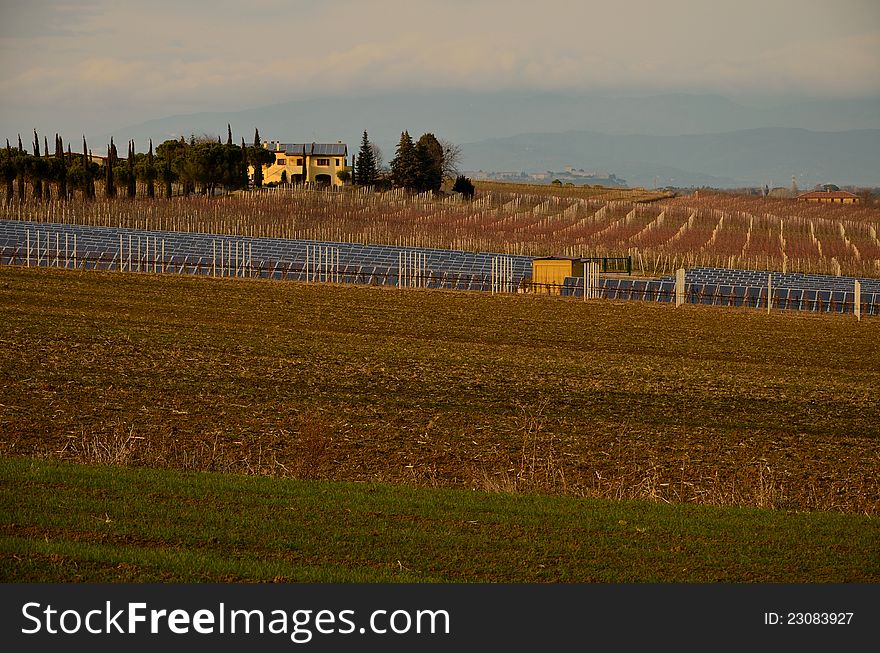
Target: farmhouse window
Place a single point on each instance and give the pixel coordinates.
(323, 162)
(337, 161)
(281, 162)
(299, 162)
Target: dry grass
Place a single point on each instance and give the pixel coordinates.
(518, 394)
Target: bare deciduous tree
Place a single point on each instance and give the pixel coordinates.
(451, 158)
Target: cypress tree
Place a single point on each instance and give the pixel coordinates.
(109, 186)
(228, 134)
(132, 182)
(244, 165)
(151, 173)
(303, 172)
(258, 168)
(36, 176)
(21, 163)
(68, 160)
(367, 172)
(92, 192)
(47, 169)
(61, 171)
(86, 171)
(10, 175)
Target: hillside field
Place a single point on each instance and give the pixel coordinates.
(434, 388)
(622, 408)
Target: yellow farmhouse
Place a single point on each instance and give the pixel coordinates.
(830, 197)
(315, 163)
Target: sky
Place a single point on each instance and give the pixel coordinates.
(105, 64)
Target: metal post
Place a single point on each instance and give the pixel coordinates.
(769, 292)
(28, 248)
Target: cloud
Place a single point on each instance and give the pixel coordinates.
(172, 57)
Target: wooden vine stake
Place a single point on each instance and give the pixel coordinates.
(679, 287)
(857, 299)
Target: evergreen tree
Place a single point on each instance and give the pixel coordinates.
(464, 186)
(151, 173)
(255, 160)
(86, 182)
(404, 166)
(132, 180)
(366, 163)
(61, 173)
(21, 169)
(48, 170)
(36, 169)
(429, 154)
(9, 173)
(109, 182)
(244, 165)
(228, 134)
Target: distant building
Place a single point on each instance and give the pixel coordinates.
(829, 197)
(315, 163)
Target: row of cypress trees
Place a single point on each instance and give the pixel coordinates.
(202, 165)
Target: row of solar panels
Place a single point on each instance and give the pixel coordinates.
(377, 275)
(104, 241)
(723, 276)
(200, 254)
(800, 299)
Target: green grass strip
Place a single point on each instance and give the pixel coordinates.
(67, 522)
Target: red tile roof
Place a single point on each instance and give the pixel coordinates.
(824, 194)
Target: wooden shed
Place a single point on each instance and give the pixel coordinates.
(549, 272)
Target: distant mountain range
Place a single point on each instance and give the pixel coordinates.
(742, 158)
(681, 139)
